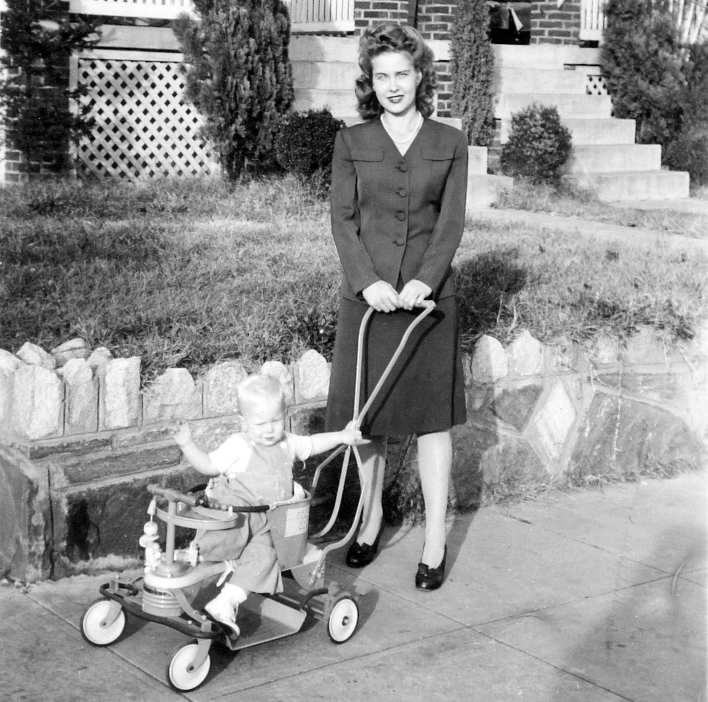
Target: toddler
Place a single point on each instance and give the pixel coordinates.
(253, 467)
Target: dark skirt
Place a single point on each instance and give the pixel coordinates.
(425, 391)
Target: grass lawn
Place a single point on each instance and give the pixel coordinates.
(188, 273)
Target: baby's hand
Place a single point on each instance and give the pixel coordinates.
(352, 436)
(182, 434)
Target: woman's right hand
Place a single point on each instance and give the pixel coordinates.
(382, 296)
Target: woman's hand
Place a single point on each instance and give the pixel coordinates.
(382, 296)
(413, 294)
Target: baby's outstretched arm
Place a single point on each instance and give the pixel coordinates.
(350, 435)
(198, 459)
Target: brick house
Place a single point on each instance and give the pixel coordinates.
(546, 52)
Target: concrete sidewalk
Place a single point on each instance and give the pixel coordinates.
(594, 595)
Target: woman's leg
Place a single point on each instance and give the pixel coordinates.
(434, 464)
(373, 458)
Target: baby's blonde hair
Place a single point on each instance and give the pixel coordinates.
(259, 388)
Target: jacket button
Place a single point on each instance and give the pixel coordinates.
(401, 215)
(402, 166)
(399, 242)
(402, 192)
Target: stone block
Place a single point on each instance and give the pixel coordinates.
(516, 405)
(99, 357)
(490, 362)
(311, 377)
(119, 393)
(605, 352)
(172, 395)
(209, 435)
(644, 348)
(480, 403)
(526, 355)
(9, 363)
(654, 386)
(114, 464)
(81, 397)
(97, 521)
(24, 518)
(621, 437)
(37, 402)
(283, 375)
(554, 419)
(35, 355)
(509, 466)
(565, 356)
(71, 448)
(76, 348)
(220, 384)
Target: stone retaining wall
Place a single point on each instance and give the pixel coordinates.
(79, 438)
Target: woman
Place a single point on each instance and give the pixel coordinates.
(399, 182)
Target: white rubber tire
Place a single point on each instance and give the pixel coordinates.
(93, 628)
(343, 619)
(181, 675)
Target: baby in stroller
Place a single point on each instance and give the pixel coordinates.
(253, 467)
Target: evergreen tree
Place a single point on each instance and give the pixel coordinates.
(472, 67)
(238, 75)
(642, 59)
(38, 40)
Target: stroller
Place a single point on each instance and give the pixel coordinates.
(167, 591)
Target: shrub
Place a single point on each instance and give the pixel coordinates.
(538, 145)
(641, 57)
(238, 75)
(689, 152)
(38, 40)
(472, 68)
(305, 143)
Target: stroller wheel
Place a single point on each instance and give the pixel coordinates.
(180, 671)
(343, 618)
(102, 622)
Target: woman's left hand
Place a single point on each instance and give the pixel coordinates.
(413, 294)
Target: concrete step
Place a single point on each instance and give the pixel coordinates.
(323, 48)
(483, 190)
(633, 185)
(587, 131)
(544, 56)
(604, 158)
(569, 105)
(477, 160)
(324, 76)
(535, 80)
(341, 103)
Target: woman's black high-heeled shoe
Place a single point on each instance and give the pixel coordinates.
(360, 555)
(428, 578)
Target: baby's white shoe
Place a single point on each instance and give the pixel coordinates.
(224, 606)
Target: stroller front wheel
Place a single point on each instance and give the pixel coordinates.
(181, 673)
(102, 623)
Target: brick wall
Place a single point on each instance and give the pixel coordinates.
(551, 24)
(435, 19)
(367, 12)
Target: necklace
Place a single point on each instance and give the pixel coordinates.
(414, 131)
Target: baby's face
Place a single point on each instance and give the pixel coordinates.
(264, 422)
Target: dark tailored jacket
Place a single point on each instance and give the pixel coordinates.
(398, 218)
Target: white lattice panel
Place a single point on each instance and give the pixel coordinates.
(596, 84)
(144, 128)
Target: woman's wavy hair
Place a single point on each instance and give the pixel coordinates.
(392, 37)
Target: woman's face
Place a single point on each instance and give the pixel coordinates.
(395, 81)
